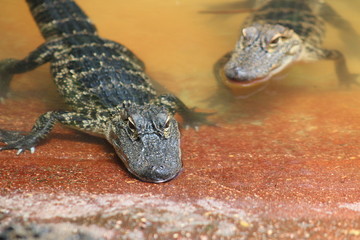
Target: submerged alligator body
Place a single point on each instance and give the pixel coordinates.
(279, 33)
(107, 91)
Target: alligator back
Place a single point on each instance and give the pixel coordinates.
(58, 18)
(302, 16)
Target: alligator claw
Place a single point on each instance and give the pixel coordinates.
(16, 140)
(20, 151)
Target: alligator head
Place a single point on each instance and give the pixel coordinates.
(147, 140)
(262, 51)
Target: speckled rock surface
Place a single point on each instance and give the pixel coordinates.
(283, 164)
(293, 172)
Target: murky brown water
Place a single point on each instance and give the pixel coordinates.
(178, 45)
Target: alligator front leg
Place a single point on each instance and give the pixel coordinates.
(43, 126)
(191, 118)
(344, 76)
(9, 67)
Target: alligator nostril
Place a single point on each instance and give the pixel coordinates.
(161, 172)
(156, 168)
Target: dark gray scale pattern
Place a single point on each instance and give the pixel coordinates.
(293, 14)
(111, 77)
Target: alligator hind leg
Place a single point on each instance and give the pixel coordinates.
(348, 33)
(331, 16)
(191, 118)
(5, 77)
(44, 124)
(9, 67)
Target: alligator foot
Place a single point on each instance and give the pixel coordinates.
(349, 80)
(345, 77)
(195, 119)
(17, 140)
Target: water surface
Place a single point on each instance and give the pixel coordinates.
(178, 44)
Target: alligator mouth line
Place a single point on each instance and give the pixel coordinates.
(276, 68)
(155, 180)
(248, 83)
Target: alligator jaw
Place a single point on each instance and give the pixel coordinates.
(147, 175)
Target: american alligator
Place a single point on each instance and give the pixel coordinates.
(107, 91)
(278, 33)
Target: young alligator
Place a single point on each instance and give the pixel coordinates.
(279, 33)
(107, 90)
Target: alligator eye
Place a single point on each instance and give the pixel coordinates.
(274, 42)
(167, 127)
(167, 124)
(131, 124)
(276, 39)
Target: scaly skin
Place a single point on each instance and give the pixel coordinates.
(107, 91)
(279, 33)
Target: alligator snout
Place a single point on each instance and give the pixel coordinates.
(159, 174)
(238, 74)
